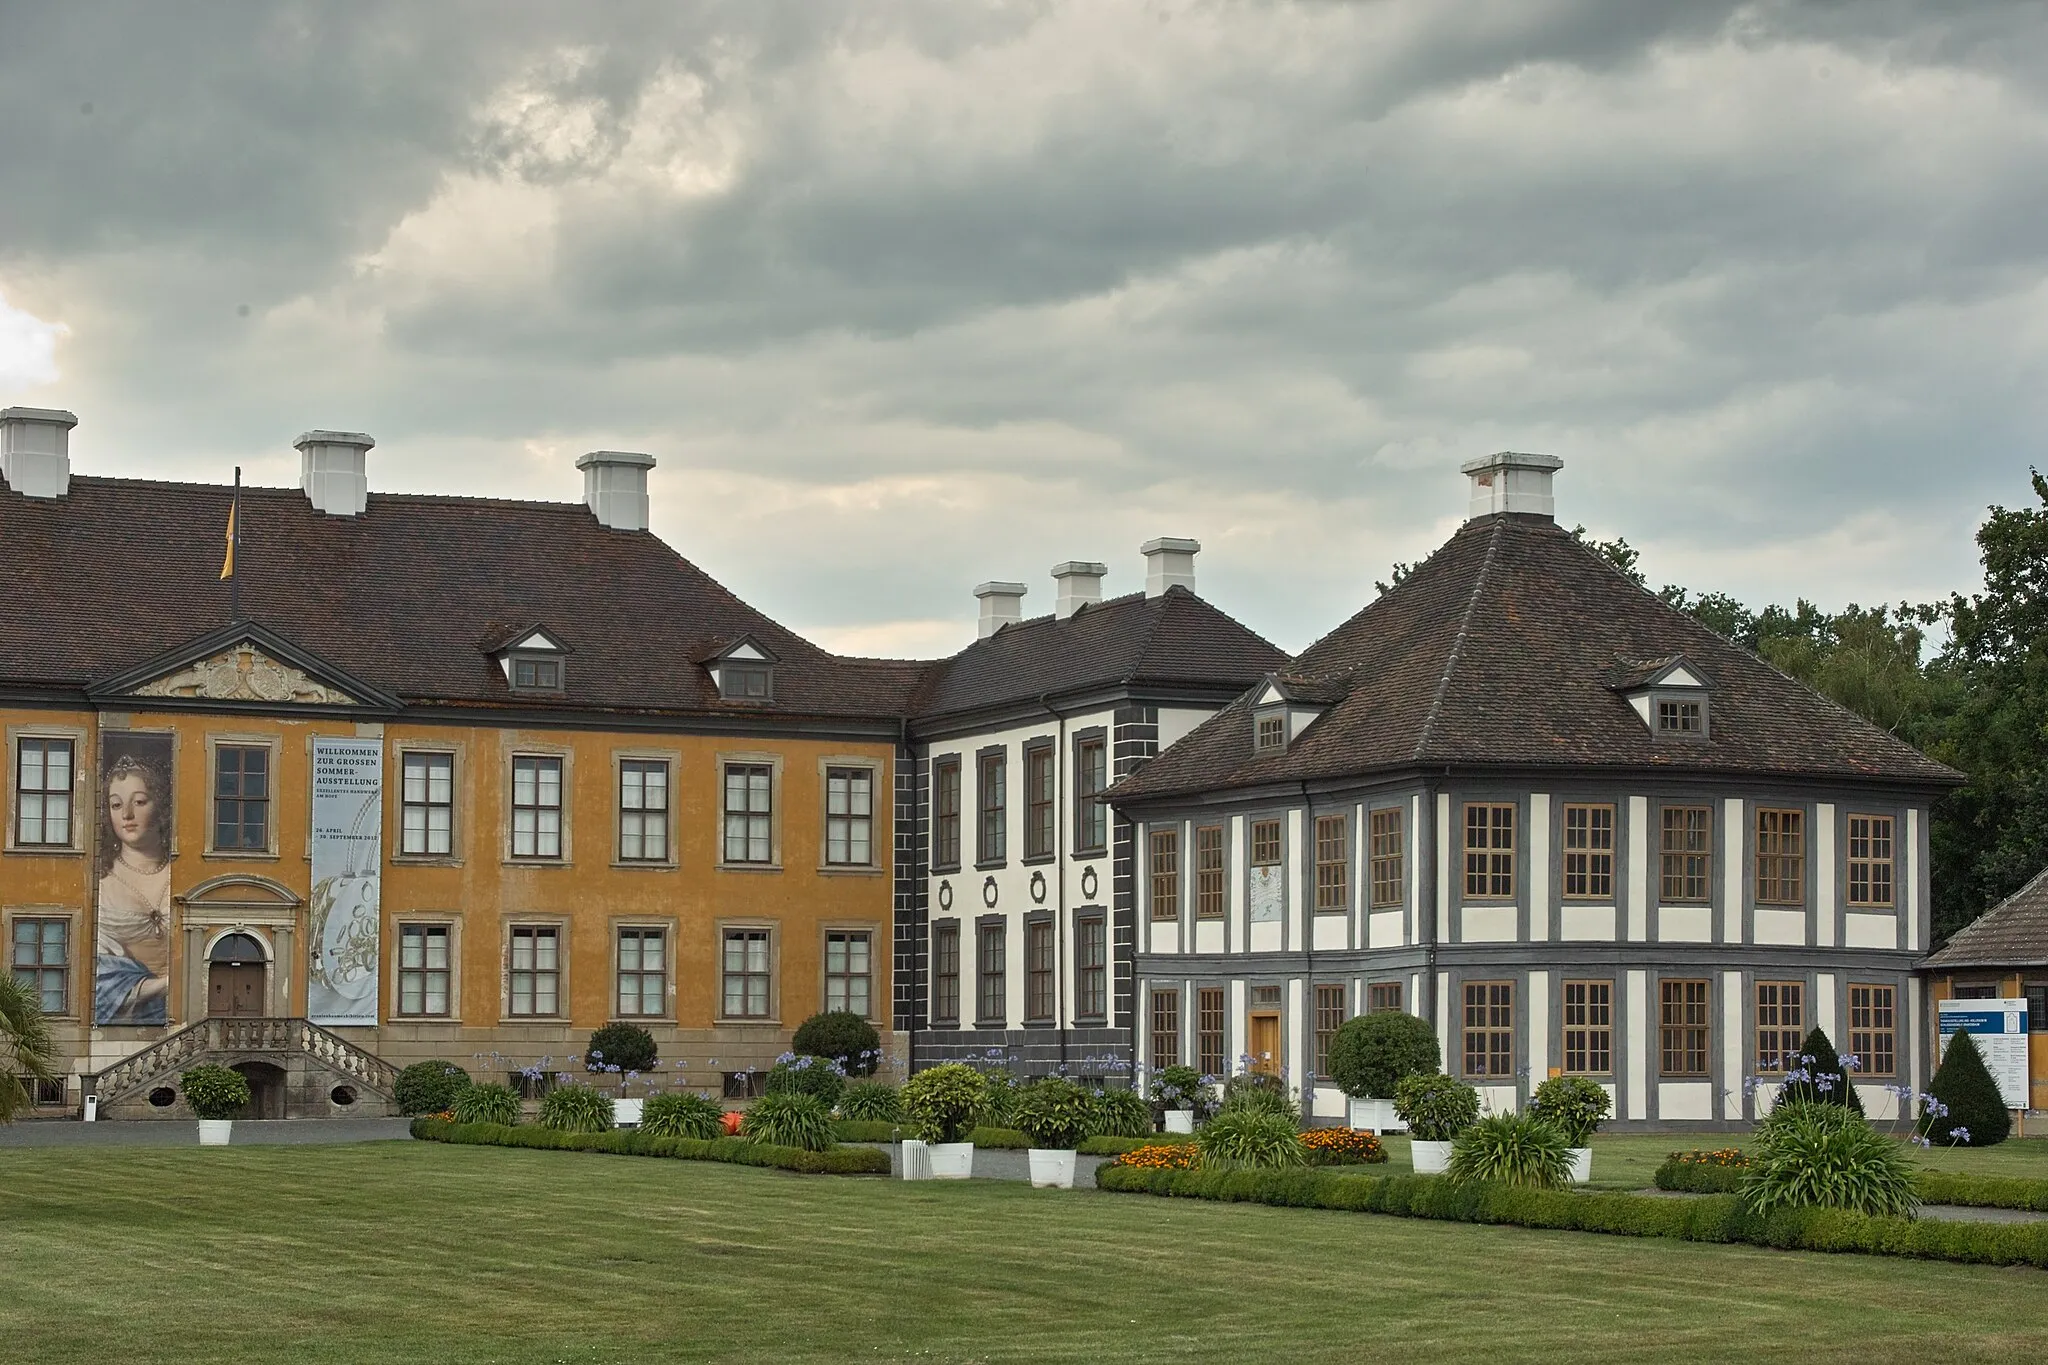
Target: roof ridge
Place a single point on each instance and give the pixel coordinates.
(1443, 682)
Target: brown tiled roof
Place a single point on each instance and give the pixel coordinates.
(1502, 649)
(406, 597)
(2013, 933)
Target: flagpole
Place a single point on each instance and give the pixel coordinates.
(234, 544)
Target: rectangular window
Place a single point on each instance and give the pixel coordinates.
(849, 972)
(1329, 1018)
(643, 811)
(1265, 843)
(946, 973)
(1091, 968)
(1091, 779)
(992, 778)
(1781, 857)
(536, 970)
(536, 807)
(1272, 733)
(423, 969)
(946, 813)
(537, 675)
(42, 962)
(992, 975)
(1681, 718)
(1383, 997)
(746, 975)
(1588, 1028)
(643, 972)
(1165, 1030)
(849, 817)
(1873, 1029)
(42, 791)
(426, 818)
(2037, 1009)
(1209, 1030)
(1870, 860)
(1490, 851)
(1333, 863)
(241, 797)
(1686, 853)
(1489, 1033)
(1165, 874)
(1038, 971)
(1780, 1024)
(738, 682)
(749, 813)
(1210, 900)
(1387, 854)
(1682, 1027)
(1589, 853)
(1039, 774)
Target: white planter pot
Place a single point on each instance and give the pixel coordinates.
(1430, 1158)
(214, 1132)
(1377, 1116)
(1582, 1165)
(1180, 1120)
(952, 1160)
(626, 1113)
(1051, 1168)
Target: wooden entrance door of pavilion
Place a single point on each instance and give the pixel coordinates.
(1265, 1043)
(235, 978)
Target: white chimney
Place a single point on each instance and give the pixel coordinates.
(1080, 585)
(333, 469)
(1169, 563)
(1002, 604)
(615, 487)
(1512, 482)
(35, 451)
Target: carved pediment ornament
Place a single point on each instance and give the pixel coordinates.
(244, 673)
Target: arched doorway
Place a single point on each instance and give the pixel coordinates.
(266, 1090)
(234, 978)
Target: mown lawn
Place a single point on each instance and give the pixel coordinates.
(416, 1252)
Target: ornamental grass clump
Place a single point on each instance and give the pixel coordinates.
(999, 1098)
(1260, 1092)
(576, 1109)
(487, 1103)
(1573, 1105)
(1251, 1139)
(1813, 1154)
(1512, 1149)
(944, 1103)
(800, 1074)
(871, 1102)
(1054, 1113)
(1963, 1107)
(1436, 1107)
(1119, 1113)
(680, 1114)
(429, 1087)
(790, 1119)
(1183, 1087)
(1373, 1053)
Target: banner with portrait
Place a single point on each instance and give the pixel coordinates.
(131, 983)
(343, 925)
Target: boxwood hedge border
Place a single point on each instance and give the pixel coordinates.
(1933, 1187)
(731, 1150)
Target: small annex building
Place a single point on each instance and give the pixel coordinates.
(2002, 955)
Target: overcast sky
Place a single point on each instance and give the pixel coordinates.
(946, 291)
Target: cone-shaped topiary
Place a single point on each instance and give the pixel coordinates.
(1972, 1113)
(1817, 1076)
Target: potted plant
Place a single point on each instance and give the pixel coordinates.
(1575, 1107)
(214, 1094)
(942, 1106)
(1374, 1053)
(622, 1051)
(1436, 1109)
(1181, 1095)
(1054, 1113)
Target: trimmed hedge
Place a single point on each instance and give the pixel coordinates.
(1000, 1139)
(1691, 1177)
(1933, 1187)
(736, 1151)
(869, 1130)
(1710, 1218)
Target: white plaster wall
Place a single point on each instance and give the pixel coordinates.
(1731, 1043)
(1914, 905)
(1685, 1100)
(1539, 864)
(1384, 928)
(1332, 933)
(1685, 924)
(1586, 923)
(1637, 1006)
(1638, 869)
(1826, 907)
(1488, 923)
(1870, 931)
(1443, 867)
(1733, 826)
(1539, 1027)
(1780, 926)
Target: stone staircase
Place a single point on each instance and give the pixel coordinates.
(299, 1069)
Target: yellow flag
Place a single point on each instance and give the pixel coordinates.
(227, 568)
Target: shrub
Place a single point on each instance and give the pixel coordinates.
(214, 1092)
(843, 1035)
(621, 1048)
(790, 1119)
(429, 1087)
(944, 1103)
(1573, 1105)
(1120, 1113)
(866, 1130)
(1818, 1155)
(1001, 1139)
(1250, 1138)
(1435, 1107)
(1819, 1077)
(1513, 1149)
(1697, 1177)
(818, 1077)
(1971, 1112)
(871, 1102)
(1162, 1156)
(999, 1103)
(1054, 1113)
(680, 1114)
(1261, 1092)
(1342, 1147)
(487, 1103)
(1373, 1053)
(1182, 1087)
(576, 1109)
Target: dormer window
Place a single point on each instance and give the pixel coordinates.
(533, 659)
(1681, 718)
(738, 683)
(1271, 735)
(743, 670)
(536, 675)
(1669, 694)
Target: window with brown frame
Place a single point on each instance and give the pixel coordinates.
(1870, 860)
(748, 974)
(1091, 967)
(643, 811)
(536, 807)
(1265, 843)
(992, 776)
(1165, 874)
(1209, 1030)
(1589, 853)
(1387, 855)
(1210, 901)
(1681, 718)
(1383, 997)
(643, 972)
(946, 972)
(1333, 863)
(425, 969)
(536, 970)
(1873, 1029)
(426, 820)
(1686, 853)
(1489, 1032)
(850, 972)
(42, 793)
(991, 1002)
(1165, 1030)
(1038, 971)
(1328, 1019)
(1039, 773)
(946, 813)
(241, 797)
(1780, 1024)
(41, 962)
(1683, 1027)
(749, 813)
(1781, 857)
(1271, 734)
(1588, 1028)
(1490, 851)
(850, 817)
(1091, 779)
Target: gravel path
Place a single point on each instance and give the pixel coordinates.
(994, 1164)
(248, 1132)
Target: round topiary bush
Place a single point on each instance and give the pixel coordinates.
(1373, 1053)
(1436, 1107)
(871, 1102)
(944, 1103)
(487, 1103)
(1512, 1149)
(819, 1077)
(680, 1114)
(1251, 1139)
(1054, 1113)
(789, 1119)
(844, 1035)
(214, 1092)
(429, 1087)
(1120, 1113)
(1809, 1154)
(576, 1109)
(1971, 1112)
(621, 1048)
(1573, 1105)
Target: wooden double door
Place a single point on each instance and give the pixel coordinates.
(234, 990)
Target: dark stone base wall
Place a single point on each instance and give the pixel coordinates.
(1091, 1052)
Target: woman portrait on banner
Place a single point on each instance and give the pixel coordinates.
(132, 967)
